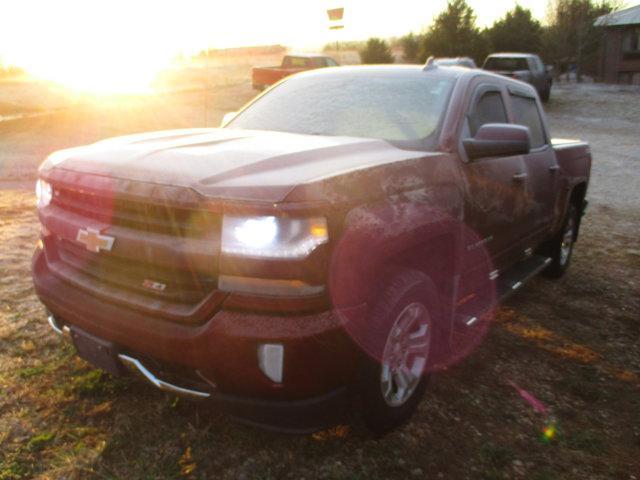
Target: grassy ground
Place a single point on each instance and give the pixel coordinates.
(572, 343)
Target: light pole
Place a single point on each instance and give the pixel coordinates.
(335, 22)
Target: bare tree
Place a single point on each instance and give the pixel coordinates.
(571, 39)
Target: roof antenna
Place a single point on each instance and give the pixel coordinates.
(431, 64)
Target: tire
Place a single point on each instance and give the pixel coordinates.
(406, 312)
(545, 95)
(560, 248)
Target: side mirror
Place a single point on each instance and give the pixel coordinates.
(227, 118)
(548, 68)
(498, 140)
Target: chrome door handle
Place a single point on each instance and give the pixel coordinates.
(519, 177)
(554, 168)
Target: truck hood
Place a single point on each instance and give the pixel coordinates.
(226, 163)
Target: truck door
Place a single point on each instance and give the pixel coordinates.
(537, 73)
(495, 188)
(541, 164)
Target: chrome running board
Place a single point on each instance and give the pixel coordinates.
(506, 284)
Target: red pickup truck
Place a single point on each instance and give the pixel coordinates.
(323, 252)
(262, 77)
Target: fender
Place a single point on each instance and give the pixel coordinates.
(574, 159)
(396, 231)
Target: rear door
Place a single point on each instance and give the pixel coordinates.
(537, 73)
(495, 189)
(541, 164)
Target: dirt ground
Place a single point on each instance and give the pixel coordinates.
(572, 343)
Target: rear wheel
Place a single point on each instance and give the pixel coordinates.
(546, 93)
(561, 247)
(401, 344)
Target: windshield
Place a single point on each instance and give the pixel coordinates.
(395, 108)
(506, 64)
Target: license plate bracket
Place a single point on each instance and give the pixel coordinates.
(98, 352)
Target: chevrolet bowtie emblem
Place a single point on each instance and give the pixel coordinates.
(94, 241)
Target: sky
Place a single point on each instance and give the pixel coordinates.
(69, 37)
(32, 30)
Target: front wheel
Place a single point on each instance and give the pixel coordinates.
(401, 342)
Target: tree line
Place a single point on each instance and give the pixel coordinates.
(567, 39)
(10, 72)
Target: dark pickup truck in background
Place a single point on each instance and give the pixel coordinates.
(346, 234)
(262, 77)
(526, 67)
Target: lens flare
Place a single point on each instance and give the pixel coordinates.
(550, 431)
(377, 236)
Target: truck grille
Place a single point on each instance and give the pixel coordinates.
(148, 217)
(164, 257)
(183, 286)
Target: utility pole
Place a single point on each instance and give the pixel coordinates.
(206, 88)
(335, 22)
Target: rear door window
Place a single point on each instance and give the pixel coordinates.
(489, 109)
(525, 111)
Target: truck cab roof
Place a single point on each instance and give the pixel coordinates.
(452, 72)
(512, 55)
(306, 55)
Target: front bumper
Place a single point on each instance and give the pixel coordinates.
(297, 416)
(319, 361)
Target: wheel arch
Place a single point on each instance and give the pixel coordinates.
(433, 256)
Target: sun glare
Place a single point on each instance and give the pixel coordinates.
(106, 49)
(120, 46)
(117, 73)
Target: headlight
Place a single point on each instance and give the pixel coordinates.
(272, 237)
(44, 193)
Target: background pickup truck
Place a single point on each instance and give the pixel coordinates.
(522, 66)
(321, 248)
(262, 77)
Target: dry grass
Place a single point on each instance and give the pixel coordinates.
(571, 343)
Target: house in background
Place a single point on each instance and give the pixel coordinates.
(620, 52)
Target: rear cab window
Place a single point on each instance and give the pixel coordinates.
(296, 62)
(506, 64)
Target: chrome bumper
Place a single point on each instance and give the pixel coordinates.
(136, 366)
(63, 331)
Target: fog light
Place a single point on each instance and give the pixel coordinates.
(271, 360)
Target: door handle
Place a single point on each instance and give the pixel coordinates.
(554, 168)
(520, 177)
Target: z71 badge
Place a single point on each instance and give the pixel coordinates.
(151, 285)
